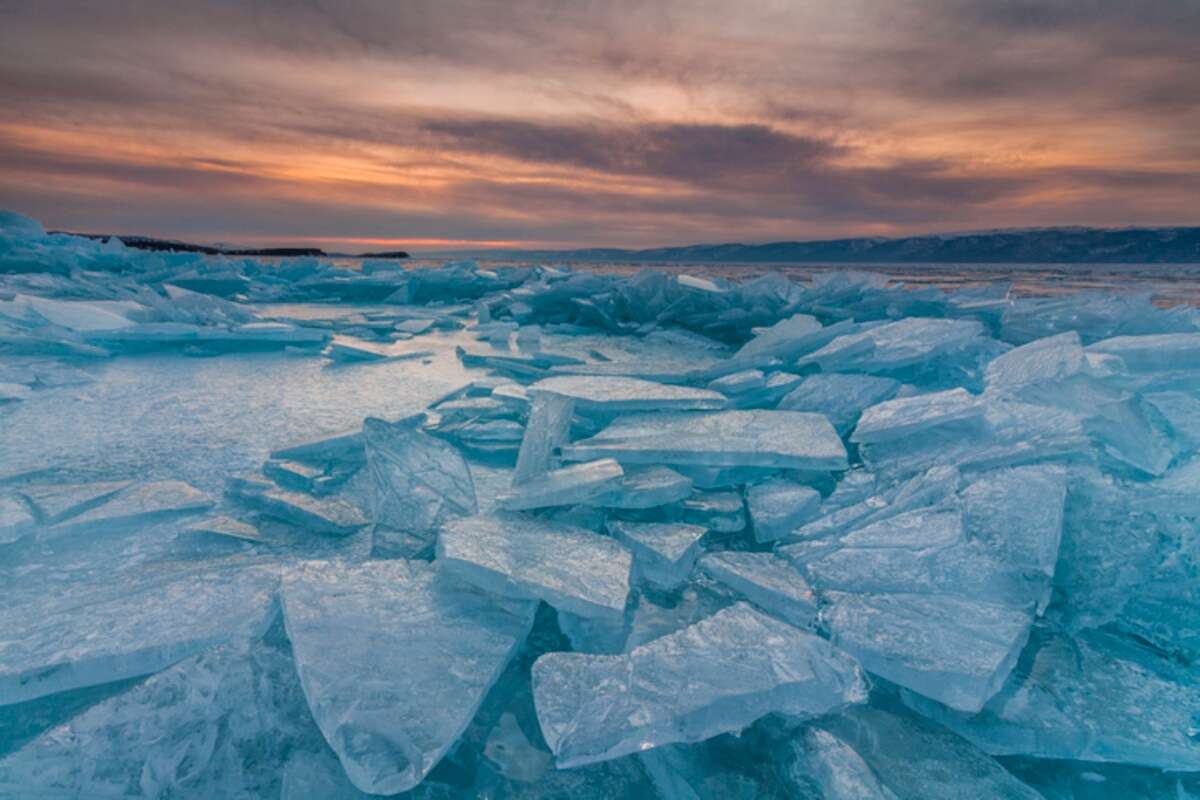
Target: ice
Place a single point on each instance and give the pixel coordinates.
(984, 499)
(841, 398)
(418, 482)
(663, 552)
(137, 505)
(347, 446)
(56, 502)
(880, 754)
(906, 416)
(1164, 351)
(17, 519)
(954, 649)
(145, 622)
(1094, 697)
(213, 725)
(768, 582)
(348, 350)
(395, 659)
(225, 527)
(577, 483)
(786, 439)
(621, 395)
(717, 675)
(778, 506)
(516, 555)
(645, 487)
(330, 516)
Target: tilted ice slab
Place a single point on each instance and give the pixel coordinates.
(1052, 359)
(56, 502)
(395, 659)
(718, 675)
(577, 483)
(144, 622)
(517, 555)
(1095, 697)
(767, 581)
(664, 552)
(777, 507)
(953, 649)
(645, 487)
(345, 446)
(868, 753)
(548, 428)
(343, 348)
(196, 730)
(139, 504)
(417, 481)
(331, 516)
(839, 397)
(17, 519)
(1163, 351)
(896, 345)
(761, 438)
(905, 416)
(623, 395)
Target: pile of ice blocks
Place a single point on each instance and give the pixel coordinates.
(677, 537)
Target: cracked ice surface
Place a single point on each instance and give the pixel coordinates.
(718, 675)
(395, 659)
(829, 538)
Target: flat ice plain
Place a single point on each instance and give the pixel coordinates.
(292, 530)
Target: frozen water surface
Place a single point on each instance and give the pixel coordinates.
(536, 532)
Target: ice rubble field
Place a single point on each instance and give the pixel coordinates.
(287, 530)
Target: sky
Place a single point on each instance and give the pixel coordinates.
(441, 124)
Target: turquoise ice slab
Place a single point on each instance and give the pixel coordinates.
(622, 395)
(1092, 697)
(755, 438)
(417, 481)
(518, 555)
(395, 658)
(717, 675)
(147, 620)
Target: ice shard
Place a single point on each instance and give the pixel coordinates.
(623, 395)
(395, 659)
(331, 516)
(663, 552)
(841, 398)
(576, 483)
(778, 506)
(136, 505)
(645, 487)
(718, 675)
(785, 439)
(548, 428)
(868, 753)
(144, 621)
(767, 581)
(906, 416)
(417, 481)
(213, 725)
(517, 555)
(56, 502)
(1095, 697)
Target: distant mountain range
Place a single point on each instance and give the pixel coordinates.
(174, 246)
(1005, 246)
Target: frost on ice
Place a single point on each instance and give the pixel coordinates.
(538, 532)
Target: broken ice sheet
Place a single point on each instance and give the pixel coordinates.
(330, 516)
(839, 397)
(623, 395)
(785, 439)
(718, 675)
(137, 505)
(868, 753)
(417, 481)
(576, 483)
(143, 622)
(216, 724)
(518, 555)
(906, 416)
(645, 487)
(777, 507)
(1095, 697)
(395, 659)
(664, 552)
(767, 581)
